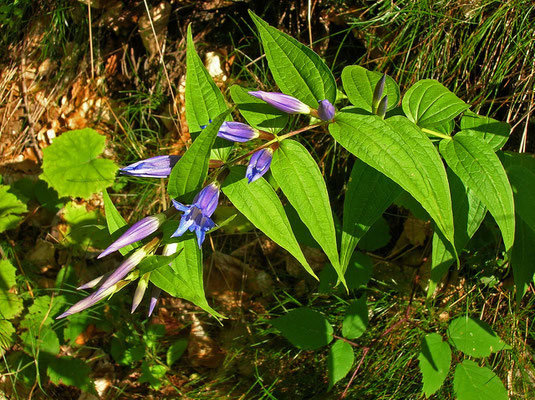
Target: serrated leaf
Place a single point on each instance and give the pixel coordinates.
(260, 204)
(7, 275)
(468, 214)
(176, 350)
(301, 181)
(369, 193)
(297, 70)
(184, 277)
(189, 173)
(428, 103)
(204, 101)
(472, 382)
(7, 335)
(38, 340)
(43, 310)
(476, 164)
(523, 185)
(474, 338)
(85, 228)
(359, 84)
(356, 319)
(72, 167)
(522, 258)
(258, 113)
(494, 133)
(399, 150)
(435, 361)
(10, 304)
(70, 371)
(339, 361)
(10, 208)
(305, 328)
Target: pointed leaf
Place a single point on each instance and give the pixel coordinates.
(523, 184)
(399, 150)
(472, 382)
(522, 258)
(356, 319)
(204, 101)
(476, 164)
(339, 361)
(474, 337)
(435, 361)
(258, 113)
(359, 84)
(151, 263)
(305, 328)
(494, 133)
(184, 277)
(297, 70)
(190, 171)
(301, 181)
(115, 221)
(369, 193)
(428, 103)
(260, 204)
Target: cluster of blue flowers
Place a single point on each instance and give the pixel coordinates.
(196, 217)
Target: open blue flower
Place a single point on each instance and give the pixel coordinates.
(196, 217)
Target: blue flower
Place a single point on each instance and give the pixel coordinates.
(259, 164)
(196, 217)
(237, 132)
(325, 110)
(154, 167)
(283, 102)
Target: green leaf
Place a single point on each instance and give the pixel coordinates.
(476, 164)
(151, 263)
(428, 103)
(472, 382)
(399, 150)
(369, 193)
(184, 277)
(297, 70)
(190, 171)
(115, 221)
(153, 335)
(358, 273)
(71, 372)
(468, 214)
(301, 181)
(356, 319)
(72, 167)
(85, 228)
(176, 350)
(522, 256)
(77, 324)
(359, 85)
(38, 340)
(474, 338)
(152, 374)
(435, 361)
(376, 237)
(305, 328)
(258, 113)
(523, 184)
(10, 304)
(204, 101)
(10, 208)
(260, 204)
(494, 133)
(7, 335)
(7, 275)
(125, 350)
(42, 311)
(339, 361)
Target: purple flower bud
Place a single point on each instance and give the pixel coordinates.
(378, 92)
(154, 295)
(259, 164)
(91, 284)
(140, 230)
(325, 110)
(237, 132)
(196, 217)
(142, 284)
(283, 102)
(381, 108)
(154, 167)
(88, 302)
